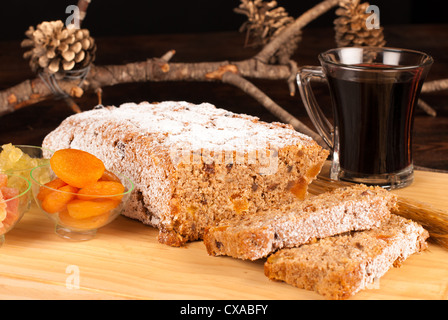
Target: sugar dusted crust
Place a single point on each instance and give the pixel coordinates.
(346, 209)
(338, 267)
(194, 165)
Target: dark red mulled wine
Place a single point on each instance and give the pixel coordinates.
(374, 116)
(374, 92)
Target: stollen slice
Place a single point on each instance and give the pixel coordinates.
(338, 267)
(255, 236)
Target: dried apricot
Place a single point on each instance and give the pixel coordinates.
(82, 209)
(101, 189)
(89, 223)
(76, 167)
(53, 184)
(240, 205)
(109, 176)
(298, 188)
(57, 200)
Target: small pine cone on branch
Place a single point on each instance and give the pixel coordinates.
(52, 47)
(264, 22)
(351, 27)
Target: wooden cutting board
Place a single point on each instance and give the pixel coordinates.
(125, 261)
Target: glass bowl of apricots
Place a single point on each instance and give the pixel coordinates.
(78, 193)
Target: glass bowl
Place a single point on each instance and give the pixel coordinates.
(14, 203)
(78, 217)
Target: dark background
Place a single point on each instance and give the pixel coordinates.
(114, 18)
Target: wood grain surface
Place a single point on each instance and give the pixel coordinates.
(125, 261)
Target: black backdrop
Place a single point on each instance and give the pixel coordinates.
(111, 18)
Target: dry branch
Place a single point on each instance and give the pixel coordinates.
(435, 85)
(236, 73)
(274, 108)
(160, 69)
(426, 108)
(83, 5)
(157, 70)
(294, 28)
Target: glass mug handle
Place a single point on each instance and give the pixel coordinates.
(323, 126)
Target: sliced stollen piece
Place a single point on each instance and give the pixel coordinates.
(194, 165)
(340, 266)
(357, 207)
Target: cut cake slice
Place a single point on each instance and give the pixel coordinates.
(357, 207)
(338, 267)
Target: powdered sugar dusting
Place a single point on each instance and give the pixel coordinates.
(358, 207)
(367, 254)
(194, 127)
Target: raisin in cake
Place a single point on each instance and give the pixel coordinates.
(338, 267)
(358, 207)
(194, 165)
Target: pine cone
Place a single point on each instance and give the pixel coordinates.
(53, 47)
(351, 29)
(266, 21)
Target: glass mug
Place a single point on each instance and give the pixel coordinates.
(374, 92)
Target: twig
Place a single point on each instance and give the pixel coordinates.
(29, 91)
(167, 56)
(99, 94)
(249, 88)
(72, 104)
(435, 85)
(427, 108)
(83, 5)
(160, 69)
(294, 28)
(292, 78)
(157, 70)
